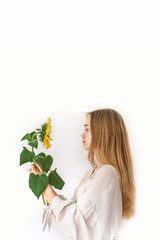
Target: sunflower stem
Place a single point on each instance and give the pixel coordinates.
(34, 161)
(43, 199)
(34, 135)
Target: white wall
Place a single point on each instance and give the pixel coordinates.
(60, 59)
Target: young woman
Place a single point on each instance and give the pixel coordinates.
(106, 193)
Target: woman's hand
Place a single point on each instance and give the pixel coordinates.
(36, 169)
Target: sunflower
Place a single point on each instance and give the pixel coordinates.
(45, 134)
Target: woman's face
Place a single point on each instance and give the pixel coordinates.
(86, 135)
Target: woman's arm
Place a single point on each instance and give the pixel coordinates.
(49, 194)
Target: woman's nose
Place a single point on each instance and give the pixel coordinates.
(82, 135)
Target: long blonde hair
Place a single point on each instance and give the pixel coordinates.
(110, 143)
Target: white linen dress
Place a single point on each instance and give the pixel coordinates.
(95, 210)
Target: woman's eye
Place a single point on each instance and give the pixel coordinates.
(87, 129)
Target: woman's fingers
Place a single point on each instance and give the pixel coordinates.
(33, 169)
(36, 169)
(39, 168)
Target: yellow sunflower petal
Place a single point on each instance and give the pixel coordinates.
(50, 138)
(47, 134)
(48, 129)
(48, 145)
(49, 120)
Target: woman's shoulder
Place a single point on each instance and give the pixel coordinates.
(107, 175)
(109, 170)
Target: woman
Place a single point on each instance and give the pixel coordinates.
(106, 194)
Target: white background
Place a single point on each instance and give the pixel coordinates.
(60, 59)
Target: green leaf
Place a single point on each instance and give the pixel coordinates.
(44, 161)
(40, 159)
(41, 155)
(33, 143)
(49, 161)
(38, 183)
(35, 137)
(38, 129)
(26, 156)
(55, 180)
(27, 136)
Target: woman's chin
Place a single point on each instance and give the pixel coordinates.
(85, 148)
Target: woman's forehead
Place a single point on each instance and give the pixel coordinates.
(87, 122)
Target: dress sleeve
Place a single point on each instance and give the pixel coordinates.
(72, 217)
